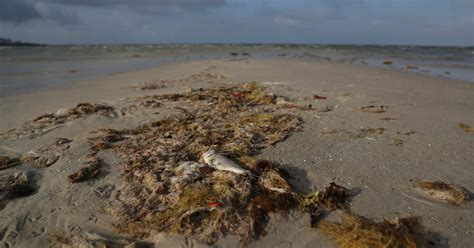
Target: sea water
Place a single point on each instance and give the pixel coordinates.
(28, 69)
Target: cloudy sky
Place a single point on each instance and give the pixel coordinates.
(423, 22)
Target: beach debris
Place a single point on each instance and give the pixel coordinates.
(48, 122)
(7, 162)
(389, 119)
(358, 231)
(445, 192)
(220, 162)
(466, 127)
(154, 85)
(407, 133)
(92, 169)
(366, 132)
(178, 180)
(387, 62)
(326, 108)
(317, 97)
(104, 191)
(318, 204)
(42, 157)
(332, 197)
(14, 185)
(374, 109)
(62, 141)
(201, 77)
(397, 142)
(273, 180)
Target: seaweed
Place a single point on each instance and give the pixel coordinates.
(466, 128)
(446, 192)
(42, 157)
(318, 204)
(47, 122)
(374, 109)
(167, 187)
(14, 185)
(7, 162)
(365, 132)
(358, 231)
(92, 169)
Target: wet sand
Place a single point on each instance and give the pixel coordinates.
(421, 140)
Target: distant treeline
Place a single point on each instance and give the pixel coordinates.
(9, 42)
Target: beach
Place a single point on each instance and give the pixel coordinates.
(372, 130)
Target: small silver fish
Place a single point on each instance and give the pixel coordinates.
(220, 162)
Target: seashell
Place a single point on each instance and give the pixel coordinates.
(220, 162)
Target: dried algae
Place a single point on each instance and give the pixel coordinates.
(357, 231)
(168, 189)
(7, 162)
(441, 191)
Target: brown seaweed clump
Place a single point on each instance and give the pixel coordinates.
(7, 162)
(466, 128)
(330, 198)
(366, 132)
(374, 109)
(446, 192)
(13, 185)
(48, 122)
(92, 169)
(356, 231)
(167, 187)
(41, 157)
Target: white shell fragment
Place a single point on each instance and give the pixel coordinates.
(220, 162)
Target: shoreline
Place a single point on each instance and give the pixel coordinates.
(422, 113)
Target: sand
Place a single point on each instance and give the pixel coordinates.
(421, 140)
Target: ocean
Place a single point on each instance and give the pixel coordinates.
(29, 69)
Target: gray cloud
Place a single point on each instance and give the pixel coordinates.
(17, 11)
(61, 10)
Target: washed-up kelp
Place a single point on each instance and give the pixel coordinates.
(356, 231)
(330, 198)
(171, 187)
(374, 109)
(41, 157)
(14, 185)
(7, 162)
(441, 191)
(466, 128)
(163, 83)
(48, 122)
(90, 170)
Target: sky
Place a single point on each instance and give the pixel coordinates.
(398, 22)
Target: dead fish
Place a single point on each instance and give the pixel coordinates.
(441, 191)
(220, 162)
